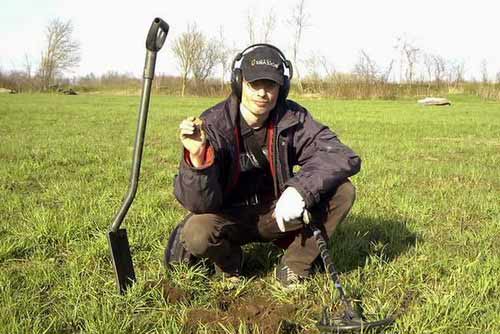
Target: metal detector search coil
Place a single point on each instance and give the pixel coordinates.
(351, 319)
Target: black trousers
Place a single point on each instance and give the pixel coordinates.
(219, 236)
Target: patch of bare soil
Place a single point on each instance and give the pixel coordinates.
(255, 311)
(170, 293)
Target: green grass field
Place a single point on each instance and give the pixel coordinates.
(422, 241)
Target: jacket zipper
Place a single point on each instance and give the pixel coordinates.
(236, 174)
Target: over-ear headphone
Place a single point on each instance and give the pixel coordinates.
(237, 74)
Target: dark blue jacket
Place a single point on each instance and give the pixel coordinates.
(295, 139)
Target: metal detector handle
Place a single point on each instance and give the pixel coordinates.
(155, 39)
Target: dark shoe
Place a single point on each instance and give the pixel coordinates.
(235, 273)
(175, 252)
(230, 280)
(287, 278)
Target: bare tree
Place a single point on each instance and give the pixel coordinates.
(366, 68)
(455, 71)
(409, 57)
(460, 71)
(260, 30)
(268, 25)
(498, 77)
(327, 66)
(318, 66)
(61, 53)
(204, 64)
(411, 54)
(428, 60)
(251, 29)
(386, 74)
(224, 56)
(298, 22)
(439, 68)
(28, 69)
(187, 49)
(312, 66)
(484, 71)
(27, 65)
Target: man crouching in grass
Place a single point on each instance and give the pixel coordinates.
(237, 172)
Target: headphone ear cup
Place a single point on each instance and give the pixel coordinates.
(285, 88)
(236, 82)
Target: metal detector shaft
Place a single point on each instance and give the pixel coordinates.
(327, 261)
(117, 238)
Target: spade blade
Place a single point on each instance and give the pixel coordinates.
(122, 259)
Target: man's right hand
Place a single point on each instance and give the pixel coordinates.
(194, 139)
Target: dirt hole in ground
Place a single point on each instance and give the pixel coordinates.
(255, 311)
(170, 293)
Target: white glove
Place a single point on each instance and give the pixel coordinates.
(289, 208)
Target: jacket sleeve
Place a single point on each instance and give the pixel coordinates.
(325, 162)
(198, 189)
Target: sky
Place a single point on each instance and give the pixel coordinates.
(112, 33)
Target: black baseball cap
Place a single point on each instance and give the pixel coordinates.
(263, 63)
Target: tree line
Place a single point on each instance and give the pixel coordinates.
(204, 64)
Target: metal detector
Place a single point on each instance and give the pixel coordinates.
(351, 320)
(117, 237)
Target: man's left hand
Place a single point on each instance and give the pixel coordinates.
(289, 208)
